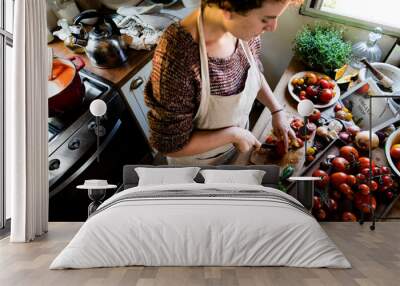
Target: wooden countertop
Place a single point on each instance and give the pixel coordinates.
(117, 76)
(282, 94)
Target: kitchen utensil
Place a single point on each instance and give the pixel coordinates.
(104, 46)
(296, 97)
(65, 89)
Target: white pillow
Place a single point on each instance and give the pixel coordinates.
(164, 176)
(248, 177)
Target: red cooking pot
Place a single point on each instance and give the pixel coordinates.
(65, 87)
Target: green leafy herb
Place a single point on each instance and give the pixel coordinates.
(322, 47)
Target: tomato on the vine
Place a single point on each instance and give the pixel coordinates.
(364, 162)
(364, 189)
(338, 178)
(349, 153)
(351, 180)
(340, 164)
(324, 178)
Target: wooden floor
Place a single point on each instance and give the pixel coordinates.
(375, 257)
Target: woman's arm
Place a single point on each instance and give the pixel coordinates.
(202, 141)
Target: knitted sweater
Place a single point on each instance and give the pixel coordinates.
(174, 90)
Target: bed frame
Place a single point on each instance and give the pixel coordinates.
(271, 178)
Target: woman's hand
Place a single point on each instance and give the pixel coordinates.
(281, 127)
(244, 140)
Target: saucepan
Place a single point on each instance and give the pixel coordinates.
(65, 87)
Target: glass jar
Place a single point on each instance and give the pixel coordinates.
(367, 49)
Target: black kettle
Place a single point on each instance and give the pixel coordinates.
(103, 44)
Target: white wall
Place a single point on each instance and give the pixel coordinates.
(277, 46)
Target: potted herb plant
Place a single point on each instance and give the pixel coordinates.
(321, 47)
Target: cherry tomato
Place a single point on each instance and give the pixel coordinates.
(332, 205)
(315, 115)
(324, 178)
(310, 92)
(385, 170)
(363, 162)
(338, 178)
(365, 203)
(317, 203)
(321, 214)
(338, 107)
(374, 186)
(340, 164)
(331, 85)
(302, 95)
(344, 188)
(389, 195)
(395, 151)
(360, 178)
(387, 181)
(349, 153)
(365, 172)
(351, 180)
(335, 194)
(348, 216)
(325, 95)
(364, 189)
(311, 78)
(324, 83)
(376, 171)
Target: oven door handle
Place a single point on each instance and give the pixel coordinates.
(92, 158)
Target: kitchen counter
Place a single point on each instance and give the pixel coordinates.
(136, 58)
(281, 92)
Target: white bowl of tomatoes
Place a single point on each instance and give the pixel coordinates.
(317, 87)
(392, 151)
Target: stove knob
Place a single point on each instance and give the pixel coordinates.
(74, 144)
(54, 164)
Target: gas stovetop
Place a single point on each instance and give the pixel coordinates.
(61, 122)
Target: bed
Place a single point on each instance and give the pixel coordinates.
(201, 224)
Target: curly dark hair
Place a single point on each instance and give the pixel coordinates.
(241, 6)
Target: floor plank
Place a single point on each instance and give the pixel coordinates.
(375, 257)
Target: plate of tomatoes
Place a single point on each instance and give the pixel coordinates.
(317, 87)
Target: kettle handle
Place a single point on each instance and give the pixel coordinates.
(86, 15)
(111, 22)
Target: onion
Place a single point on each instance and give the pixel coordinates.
(362, 140)
(345, 136)
(353, 130)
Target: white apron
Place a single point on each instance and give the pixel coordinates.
(217, 112)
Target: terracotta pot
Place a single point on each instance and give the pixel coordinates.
(66, 90)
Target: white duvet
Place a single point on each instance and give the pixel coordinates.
(183, 231)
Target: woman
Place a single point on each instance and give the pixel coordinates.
(206, 76)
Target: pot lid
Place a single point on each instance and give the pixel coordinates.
(63, 74)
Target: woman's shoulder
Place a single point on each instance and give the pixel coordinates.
(176, 41)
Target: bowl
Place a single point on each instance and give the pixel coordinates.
(387, 69)
(296, 97)
(394, 138)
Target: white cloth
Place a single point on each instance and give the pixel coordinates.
(217, 112)
(26, 121)
(188, 231)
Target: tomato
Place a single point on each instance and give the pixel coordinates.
(310, 92)
(395, 151)
(389, 195)
(385, 170)
(324, 83)
(321, 214)
(365, 203)
(351, 180)
(340, 164)
(317, 203)
(374, 186)
(335, 194)
(363, 162)
(324, 178)
(338, 107)
(338, 178)
(364, 189)
(311, 78)
(387, 181)
(365, 172)
(296, 124)
(332, 205)
(360, 178)
(348, 216)
(376, 171)
(315, 115)
(270, 139)
(364, 89)
(344, 188)
(325, 95)
(349, 153)
(331, 85)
